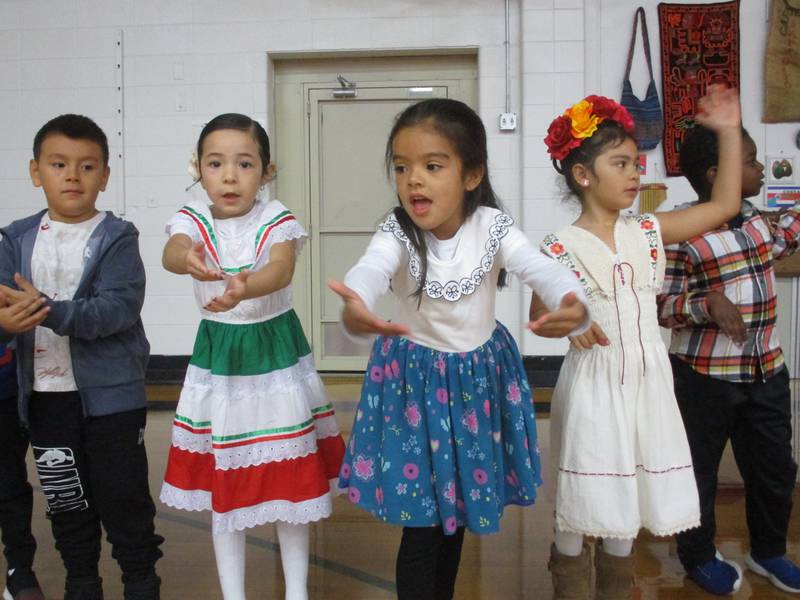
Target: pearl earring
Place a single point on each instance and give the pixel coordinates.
(585, 183)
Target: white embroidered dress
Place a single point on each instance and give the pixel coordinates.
(617, 438)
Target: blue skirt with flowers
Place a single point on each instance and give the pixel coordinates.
(443, 438)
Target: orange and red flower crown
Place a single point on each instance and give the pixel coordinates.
(580, 121)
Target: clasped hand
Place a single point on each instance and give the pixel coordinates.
(21, 309)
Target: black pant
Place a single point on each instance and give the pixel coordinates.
(757, 419)
(16, 495)
(427, 563)
(94, 470)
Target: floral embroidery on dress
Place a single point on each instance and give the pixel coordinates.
(553, 247)
(453, 290)
(648, 225)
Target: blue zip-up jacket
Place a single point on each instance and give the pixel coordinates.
(106, 336)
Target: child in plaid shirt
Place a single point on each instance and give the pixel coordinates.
(730, 379)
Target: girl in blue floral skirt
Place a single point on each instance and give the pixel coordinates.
(444, 435)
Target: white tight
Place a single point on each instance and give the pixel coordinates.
(229, 551)
(571, 544)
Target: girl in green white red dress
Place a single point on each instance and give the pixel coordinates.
(254, 438)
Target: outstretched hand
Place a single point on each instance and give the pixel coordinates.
(358, 319)
(592, 336)
(196, 264)
(234, 293)
(719, 108)
(562, 321)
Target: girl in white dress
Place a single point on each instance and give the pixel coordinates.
(617, 442)
(254, 438)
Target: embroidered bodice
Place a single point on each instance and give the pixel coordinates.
(235, 244)
(622, 288)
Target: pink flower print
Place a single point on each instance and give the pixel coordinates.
(387, 343)
(345, 471)
(364, 467)
(413, 416)
(470, 421)
(450, 492)
(441, 395)
(475, 494)
(647, 224)
(379, 495)
(513, 394)
(480, 476)
(512, 479)
(487, 407)
(401, 488)
(354, 495)
(395, 368)
(411, 471)
(462, 355)
(440, 365)
(450, 524)
(376, 374)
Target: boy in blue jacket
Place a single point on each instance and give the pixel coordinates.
(81, 372)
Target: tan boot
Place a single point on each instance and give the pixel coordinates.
(571, 575)
(614, 575)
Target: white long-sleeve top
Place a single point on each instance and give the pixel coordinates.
(458, 300)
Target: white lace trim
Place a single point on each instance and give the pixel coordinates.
(256, 453)
(291, 230)
(562, 525)
(453, 290)
(269, 512)
(195, 500)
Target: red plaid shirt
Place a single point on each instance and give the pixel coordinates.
(738, 263)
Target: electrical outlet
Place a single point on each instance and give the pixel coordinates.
(508, 121)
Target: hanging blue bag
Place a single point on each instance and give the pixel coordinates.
(646, 113)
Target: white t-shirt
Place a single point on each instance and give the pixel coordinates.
(57, 263)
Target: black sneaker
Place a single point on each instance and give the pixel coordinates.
(21, 584)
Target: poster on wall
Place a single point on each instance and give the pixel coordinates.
(699, 46)
(782, 190)
(782, 63)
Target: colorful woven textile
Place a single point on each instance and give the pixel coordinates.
(699, 46)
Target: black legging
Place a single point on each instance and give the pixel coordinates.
(427, 563)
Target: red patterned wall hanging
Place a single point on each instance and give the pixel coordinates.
(699, 46)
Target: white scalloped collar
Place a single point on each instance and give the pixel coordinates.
(494, 225)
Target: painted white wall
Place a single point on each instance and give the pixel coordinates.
(186, 61)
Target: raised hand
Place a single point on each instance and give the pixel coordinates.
(719, 108)
(725, 314)
(560, 322)
(196, 264)
(234, 293)
(358, 319)
(592, 336)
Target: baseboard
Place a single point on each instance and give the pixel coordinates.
(166, 369)
(542, 371)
